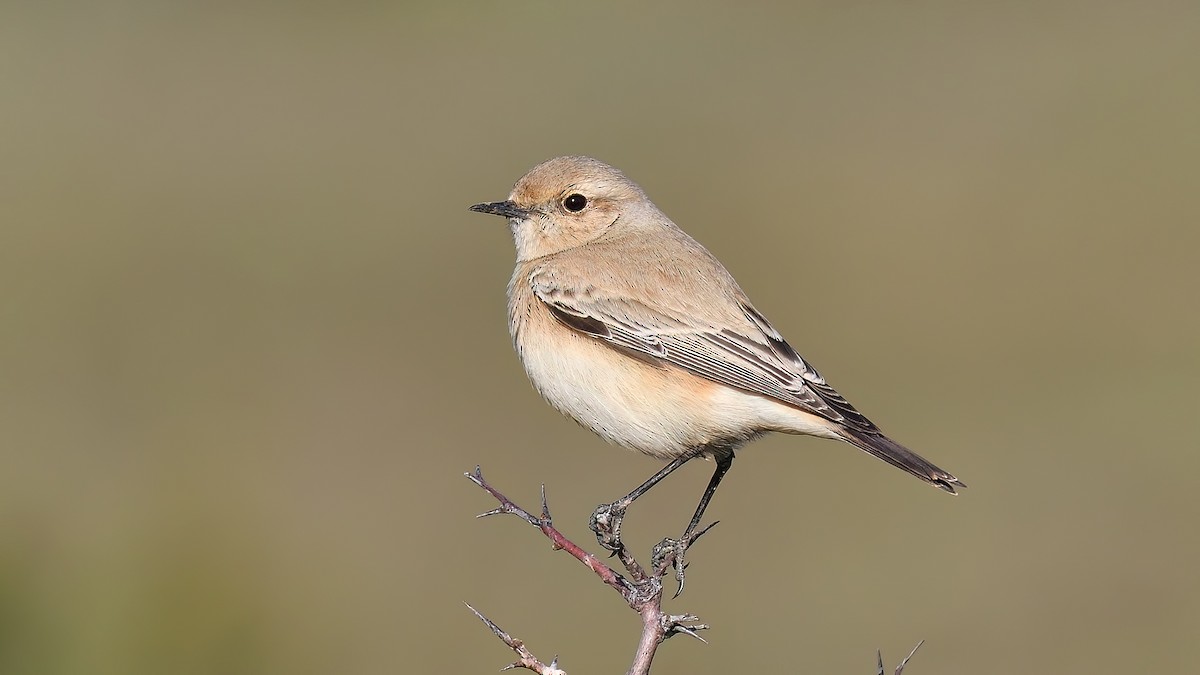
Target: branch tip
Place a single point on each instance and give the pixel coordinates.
(527, 659)
(900, 668)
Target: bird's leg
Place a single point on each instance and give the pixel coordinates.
(606, 519)
(675, 549)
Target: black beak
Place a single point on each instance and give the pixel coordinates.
(505, 208)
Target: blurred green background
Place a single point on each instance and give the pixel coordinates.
(251, 337)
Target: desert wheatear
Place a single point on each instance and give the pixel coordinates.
(628, 325)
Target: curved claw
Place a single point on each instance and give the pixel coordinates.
(679, 577)
(672, 552)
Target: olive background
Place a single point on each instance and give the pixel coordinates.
(251, 337)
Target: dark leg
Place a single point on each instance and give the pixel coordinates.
(606, 520)
(676, 548)
(724, 461)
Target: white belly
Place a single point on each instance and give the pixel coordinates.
(623, 400)
(660, 411)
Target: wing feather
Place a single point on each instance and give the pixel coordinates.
(754, 358)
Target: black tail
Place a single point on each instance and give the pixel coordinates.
(901, 457)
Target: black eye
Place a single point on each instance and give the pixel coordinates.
(575, 202)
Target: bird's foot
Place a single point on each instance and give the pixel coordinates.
(671, 552)
(606, 524)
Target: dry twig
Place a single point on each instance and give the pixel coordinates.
(526, 658)
(641, 590)
(899, 668)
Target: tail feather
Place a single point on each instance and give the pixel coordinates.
(901, 457)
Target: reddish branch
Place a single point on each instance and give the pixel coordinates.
(642, 591)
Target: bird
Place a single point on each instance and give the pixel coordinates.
(629, 326)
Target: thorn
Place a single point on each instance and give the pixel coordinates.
(696, 536)
(879, 654)
(483, 618)
(545, 507)
(494, 512)
(511, 666)
(676, 625)
(900, 668)
(476, 476)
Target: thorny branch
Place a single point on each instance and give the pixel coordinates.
(525, 659)
(642, 591)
